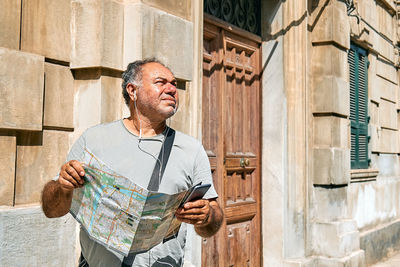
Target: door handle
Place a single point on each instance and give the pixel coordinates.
(244, 162)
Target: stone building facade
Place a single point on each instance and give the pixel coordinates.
(61, 63)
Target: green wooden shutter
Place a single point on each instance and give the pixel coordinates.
(358, 66)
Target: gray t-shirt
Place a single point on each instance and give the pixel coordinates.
(122, 151)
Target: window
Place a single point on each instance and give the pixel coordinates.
(358, 66)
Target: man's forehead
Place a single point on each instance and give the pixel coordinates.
(156, 69)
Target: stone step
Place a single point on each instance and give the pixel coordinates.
(335, 239)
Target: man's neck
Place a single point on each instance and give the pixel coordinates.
(148, 128)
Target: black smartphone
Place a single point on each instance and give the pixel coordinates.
(196, 192)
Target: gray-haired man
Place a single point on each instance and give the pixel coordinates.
(130, 147)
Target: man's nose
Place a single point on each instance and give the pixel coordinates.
(171, 88)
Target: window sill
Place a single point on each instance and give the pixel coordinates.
(363, 175)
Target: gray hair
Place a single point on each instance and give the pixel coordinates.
(133, 75)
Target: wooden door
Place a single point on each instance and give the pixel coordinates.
(231, 136)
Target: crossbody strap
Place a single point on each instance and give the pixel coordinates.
(156, 177)
(163, 157)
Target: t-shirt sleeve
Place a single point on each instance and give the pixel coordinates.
(202, 172)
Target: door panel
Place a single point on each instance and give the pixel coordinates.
(231, 137)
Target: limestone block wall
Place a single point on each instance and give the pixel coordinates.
(36, 120)
(60, 73)
(374, 193)
(379, 38)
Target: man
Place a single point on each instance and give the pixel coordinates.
(130, 147)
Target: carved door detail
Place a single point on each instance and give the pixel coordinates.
(231, 137)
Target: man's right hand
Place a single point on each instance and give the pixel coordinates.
(71, 175)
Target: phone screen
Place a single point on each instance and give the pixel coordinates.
(197, 192)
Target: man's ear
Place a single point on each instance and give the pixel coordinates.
(131, 89)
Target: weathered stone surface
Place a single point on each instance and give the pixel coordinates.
(87, 111)
(10, 16)
(28, 238)
(374, 93)
(112, 101)
(386, 70)
(113, 35)
(59, 96)
(335, 239)
(180, 8)
(388, 166)
(21, 82)
(8, 148)
(378, 244)
(363, 33)
(99, 33)
(132, 39)
(375, 202)
(374, 131)
(329, 204)
(355, 259)
(385, 49)
(387, 90)
(46, 28)
(178, 120)
(160, 34)
(386, 19)
(388, 114)
(332, 25)
(389, 141)
(331, 166)
(39, 158)
(331, 95)
(328, 60)
(87, 32)
(331, 132)
(373, 111)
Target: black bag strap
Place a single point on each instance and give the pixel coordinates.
(156, 177)
(163, 157)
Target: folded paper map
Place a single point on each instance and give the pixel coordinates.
(120, 214)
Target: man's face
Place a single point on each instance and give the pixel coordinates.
(157, 98)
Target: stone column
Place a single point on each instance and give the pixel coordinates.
(285, 132)
(334, 238)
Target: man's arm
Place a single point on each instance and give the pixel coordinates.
(204, 214)
(57, 195)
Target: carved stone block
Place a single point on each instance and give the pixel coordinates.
(332, 25)
(99, 33)
(388, 114)
(389, 141)
(21, 82)
(331, 132)
(46, 28)
(331, 166)
(8, 148)
(335, 239)
(39, 158)
(180, 8)
(387, 89)
(112, 102)
(328, 60)
(386, 70)
(10, 18)
(160, 34)
(331, 95)
(59, 96)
